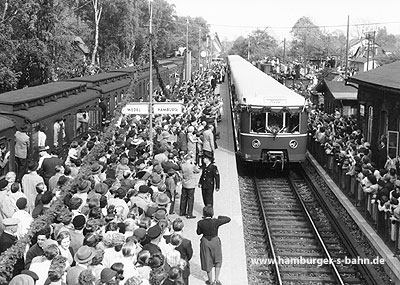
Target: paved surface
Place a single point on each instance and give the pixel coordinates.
(392, 263)
(227, 203)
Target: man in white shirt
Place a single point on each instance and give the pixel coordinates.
(23, 216)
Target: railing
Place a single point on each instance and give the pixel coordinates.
(383, 222)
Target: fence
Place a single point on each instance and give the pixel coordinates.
(381, 220)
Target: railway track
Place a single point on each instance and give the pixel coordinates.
(296, 233)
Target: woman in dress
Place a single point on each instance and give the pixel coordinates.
(64, 244)
(210, 243)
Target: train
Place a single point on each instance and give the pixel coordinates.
(56, 108)
(269, 119)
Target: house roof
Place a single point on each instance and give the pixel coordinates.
(341, 91)
(386, 75)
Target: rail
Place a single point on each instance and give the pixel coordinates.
(316, 232)
(276, 267)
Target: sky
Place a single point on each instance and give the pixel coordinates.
(233, 18)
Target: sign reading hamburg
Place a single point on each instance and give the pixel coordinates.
(168, 108)
(159, 108)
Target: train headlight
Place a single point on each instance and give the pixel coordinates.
(256, 143)
(293, 144)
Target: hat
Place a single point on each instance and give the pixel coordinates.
(150, 211)
(21, 203)
(162, 199)
(160, 215)
(154, 232)
(49, 242)
(94, 198)
(144, 189)
(3, 183)
(171, 171)
(10, 222)
(22, 279)
(84, 186)
(118, 239)
(43, 148)
(155, 179)
(108, 239)
(165, 134)
(32, 166)
(107, 274)
(24, 128)
(101, 188)
(136, 141)
(96, 168)
(79, 221)
(62, 180)
(31, 274)
(143, 175)
(84, 254)
(157, 169)
(140, 233)
(208, 155)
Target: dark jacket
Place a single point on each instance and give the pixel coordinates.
(6, 241)
(209, 178)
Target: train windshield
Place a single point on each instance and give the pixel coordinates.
(275, 122)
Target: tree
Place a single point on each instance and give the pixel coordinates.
(261, 45)
(239, 47)
(97, 10)
(308, 40)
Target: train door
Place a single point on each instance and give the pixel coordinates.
(7, 162)
(393, 141)
(370, 123)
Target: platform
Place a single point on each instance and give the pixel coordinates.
(227, 203)
(392, 263)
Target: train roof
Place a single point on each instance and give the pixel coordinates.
(101, 78)
(6, 123)
(39, 92)
(51, 108)
(255, 88)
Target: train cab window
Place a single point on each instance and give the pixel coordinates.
(292, 123)
(275, 122)
(258, 123)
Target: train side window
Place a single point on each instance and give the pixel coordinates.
(4, 157)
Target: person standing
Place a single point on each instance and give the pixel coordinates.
(209, 180)
(22, 142)
(210, 243)
(208, 141)
(49, 163)
(189, 171)
(8, 238)
(29, 182)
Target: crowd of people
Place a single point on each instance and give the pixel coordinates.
(377, 183)
(114, 221)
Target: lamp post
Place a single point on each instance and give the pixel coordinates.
(151, 77)
(187, 77)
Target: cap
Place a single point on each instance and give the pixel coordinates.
(154, 231)
(8, 222)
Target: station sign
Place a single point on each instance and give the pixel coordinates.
(165, 108)
(159, 108)
(136, 109)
